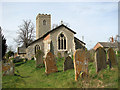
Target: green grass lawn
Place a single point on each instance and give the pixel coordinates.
(30, 77)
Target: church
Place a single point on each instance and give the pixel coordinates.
(57, 40)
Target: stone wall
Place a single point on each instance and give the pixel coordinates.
(70, 45)
(78, 44)
(31, 49)
(40, 28)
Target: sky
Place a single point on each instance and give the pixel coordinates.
(96, 21)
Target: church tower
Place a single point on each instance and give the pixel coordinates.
(43, 24)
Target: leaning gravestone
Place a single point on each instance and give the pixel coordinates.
(111, 57)
(39, 59)
(50, 64)
(100, 59)
(80, 62)
(68, 63)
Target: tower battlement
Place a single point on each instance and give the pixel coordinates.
(43, 15)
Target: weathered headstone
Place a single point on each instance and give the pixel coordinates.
(86, 62)
(50, 64)
(80, 62)
(100, 59)
(8, 68)
(12, 68)
(111, 57)
(39, 59)
(66, 54)
(85, 67)
(68, 63)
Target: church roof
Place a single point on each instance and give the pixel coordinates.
(80, 41)
(62, 25)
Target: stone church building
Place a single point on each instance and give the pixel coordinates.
(57, 40)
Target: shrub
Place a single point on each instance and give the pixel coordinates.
(9, 54)
(59, 55)
(119, 53)
(91, 55)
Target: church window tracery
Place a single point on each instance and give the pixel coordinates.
(61, 42)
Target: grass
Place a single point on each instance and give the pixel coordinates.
(27, 76)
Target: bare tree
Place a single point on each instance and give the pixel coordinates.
(10, 48)
(26, 33)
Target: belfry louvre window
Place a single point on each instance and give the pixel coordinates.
(44, 22)
(37, 47)
(61, 42)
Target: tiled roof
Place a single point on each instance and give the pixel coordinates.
(80, 41)
(109, 44)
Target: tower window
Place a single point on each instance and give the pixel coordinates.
(44, 22)
(61, 42)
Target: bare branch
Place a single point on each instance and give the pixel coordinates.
(26, 33)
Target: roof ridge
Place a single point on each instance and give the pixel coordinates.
(50, 32)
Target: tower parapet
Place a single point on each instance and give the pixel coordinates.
(43, 24)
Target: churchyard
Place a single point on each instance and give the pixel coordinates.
(77, 71)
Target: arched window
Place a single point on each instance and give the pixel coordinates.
(44, 22)
(61, 42)
(37, 47)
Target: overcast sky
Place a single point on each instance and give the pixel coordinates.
(95, 21)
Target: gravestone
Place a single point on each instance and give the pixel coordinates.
(50, 64)
(66, 54)
(85, 67)
(111, 57)
(39, 59)
(68, 63)
(100, 59)
(12, 68)
(80, 62)
(8, 68)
